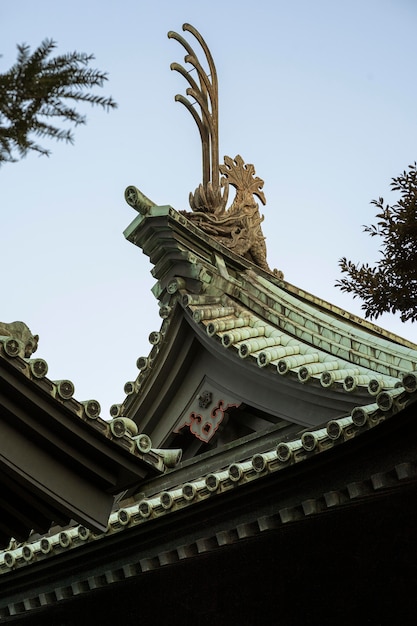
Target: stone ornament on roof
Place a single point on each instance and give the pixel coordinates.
(26, 343)
(239, 226)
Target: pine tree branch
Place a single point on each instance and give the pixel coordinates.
(39, 87)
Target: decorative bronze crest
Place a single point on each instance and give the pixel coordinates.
(239, 226)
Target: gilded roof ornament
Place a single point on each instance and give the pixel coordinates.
(239, 226)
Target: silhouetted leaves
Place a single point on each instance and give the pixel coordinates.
(38, 88)
(391, 285)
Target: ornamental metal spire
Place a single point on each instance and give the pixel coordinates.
(239, 227)
(204, 93)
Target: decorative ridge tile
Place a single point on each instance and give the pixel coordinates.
(269, 346)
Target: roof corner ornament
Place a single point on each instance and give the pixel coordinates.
(137, 200)
(26, 343)
(239, 226)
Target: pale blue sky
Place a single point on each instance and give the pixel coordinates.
(320, 96)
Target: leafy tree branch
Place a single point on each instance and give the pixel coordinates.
(39, 90)
(390, 286)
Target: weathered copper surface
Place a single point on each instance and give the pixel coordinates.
(239, 226)
(205, 95)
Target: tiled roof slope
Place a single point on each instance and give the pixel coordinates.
(277, 332)
(261, 321)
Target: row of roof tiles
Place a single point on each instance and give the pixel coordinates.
(267, 345)
(122, 431)
(354, 359)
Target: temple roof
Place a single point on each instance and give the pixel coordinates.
(59, 459)
(337, 451)
(302, 392)
(284, 407)
(257, 325)
(335, 378)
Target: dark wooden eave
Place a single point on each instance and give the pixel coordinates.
(337, 532)
(54, 466)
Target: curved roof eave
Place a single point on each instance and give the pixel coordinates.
(258, 319)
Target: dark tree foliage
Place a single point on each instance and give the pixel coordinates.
(40, 90)
(391, 285)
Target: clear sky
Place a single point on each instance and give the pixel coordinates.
(320, 96)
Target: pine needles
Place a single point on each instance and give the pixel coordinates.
(390, 286)
(37, 91)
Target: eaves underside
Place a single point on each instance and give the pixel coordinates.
(246, 500)
(59, 459)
